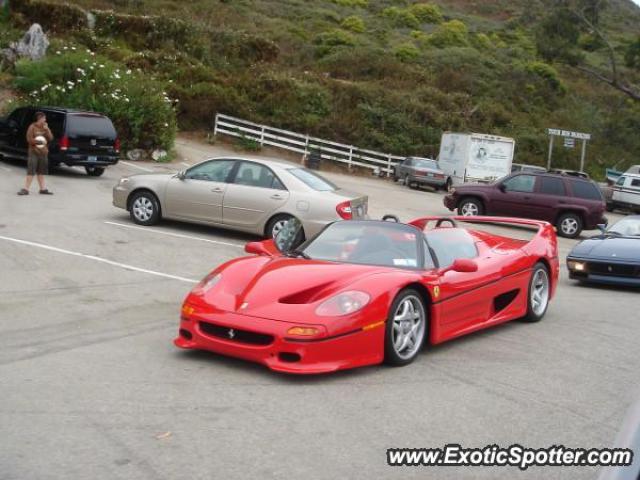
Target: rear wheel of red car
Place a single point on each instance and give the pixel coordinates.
(569, 225)
(470, 207)
(144, 208)
(406, 328)
(539, 293)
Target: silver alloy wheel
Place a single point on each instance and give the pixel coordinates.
(409, 325)
(569, 226)
(469, 209)
(539, 291)
(142, 208)
(278, 226)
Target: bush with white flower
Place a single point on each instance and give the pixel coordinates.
(70, 77)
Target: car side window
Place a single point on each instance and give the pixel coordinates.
(428, 258)
(621, 181)
(211, 171)
(520, 183)
(586, 190)
(16, 118)
(635, 182)
(253, 174)
(552, 186)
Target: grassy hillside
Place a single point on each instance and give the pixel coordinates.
(385, 74)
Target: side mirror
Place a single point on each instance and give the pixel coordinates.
(181, 175)
(266, 248)
(462, 265)
(290, 236)
(390, 218)
(602, 227)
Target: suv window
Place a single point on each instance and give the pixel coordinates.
(256, 175)
(520, 183)
(17, 116)
(586, 190)
(55, 121)
(552, 186)
(635, 182)
(211, 171)
(89, 125)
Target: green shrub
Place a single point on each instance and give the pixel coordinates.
(548, 73)
(55, 17)
(450, 34)
(353, 23)
(407, 52)
(328, 41)
(141, 111)
(426, 12)
(401, 17)
(352, 3)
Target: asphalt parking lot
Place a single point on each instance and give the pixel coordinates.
(92, 386)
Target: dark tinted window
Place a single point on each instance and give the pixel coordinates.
(586, 190)
(87, 125)
(621, 181)
(552, 186)
(17, 116)
(635, 183)
(256, 175)
(520, 183)
(56, 123)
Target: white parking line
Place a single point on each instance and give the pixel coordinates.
(98, 259)
(177, 235)
(133, 165)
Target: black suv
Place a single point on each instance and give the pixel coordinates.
(84, 139)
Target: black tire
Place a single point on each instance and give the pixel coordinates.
(448, 186)
(144, 208)
(269, 229)
(391, 356)
(412, 185)
(535, 314)
(470, 207)
(94, 171)
(569, 225)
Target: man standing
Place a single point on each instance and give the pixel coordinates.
(38, 137)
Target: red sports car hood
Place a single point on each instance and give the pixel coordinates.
(281, 288)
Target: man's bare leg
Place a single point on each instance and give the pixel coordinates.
(41, 182)
(28, 181)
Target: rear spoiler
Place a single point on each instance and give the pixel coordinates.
(421, 223)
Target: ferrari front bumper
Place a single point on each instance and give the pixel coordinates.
(265, 341)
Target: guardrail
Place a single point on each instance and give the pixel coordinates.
(303, 144)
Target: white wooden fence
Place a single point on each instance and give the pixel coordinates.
(303, 144)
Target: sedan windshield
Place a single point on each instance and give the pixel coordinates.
(627, 227)
(313, 180)
(421, 163)
(367, 243)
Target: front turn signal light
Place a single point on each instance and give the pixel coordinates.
(303, 331)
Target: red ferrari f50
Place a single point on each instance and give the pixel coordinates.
(364, 292)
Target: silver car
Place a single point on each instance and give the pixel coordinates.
(251, 195)
(416, 171)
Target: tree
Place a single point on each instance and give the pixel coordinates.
(557, 38)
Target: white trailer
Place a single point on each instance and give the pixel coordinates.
(475, 157)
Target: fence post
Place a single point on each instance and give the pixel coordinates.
(215, 125)
(388, 165)
(350, 156)
(262, 136)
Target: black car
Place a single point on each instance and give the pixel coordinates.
(86, 139)
(612, 257)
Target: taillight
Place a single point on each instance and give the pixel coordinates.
(64, 143)
(116, 145)
(344, 210)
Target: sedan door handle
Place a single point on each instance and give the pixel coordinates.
(216, 190)
(277, 196)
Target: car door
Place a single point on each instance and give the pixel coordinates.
(198, 194)
(513, 196)
(550, 196)
(9, 135)
(253, 194)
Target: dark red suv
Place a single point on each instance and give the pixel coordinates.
(570, 203)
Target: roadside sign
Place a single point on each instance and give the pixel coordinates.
(569, 134)
(569, 142)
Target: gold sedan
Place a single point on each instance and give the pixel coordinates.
(251, 195)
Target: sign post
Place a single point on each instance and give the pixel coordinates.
(569, 142)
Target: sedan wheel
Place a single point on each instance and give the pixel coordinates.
(145, 209)
(406, 328)
(539, 293)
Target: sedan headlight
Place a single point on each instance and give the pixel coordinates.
(207, 283)
(344, 303)
(577, 266)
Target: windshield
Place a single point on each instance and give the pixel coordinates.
(367, 243)
(313, 180)
(90, 125)
(421, 163)
(628, 227)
